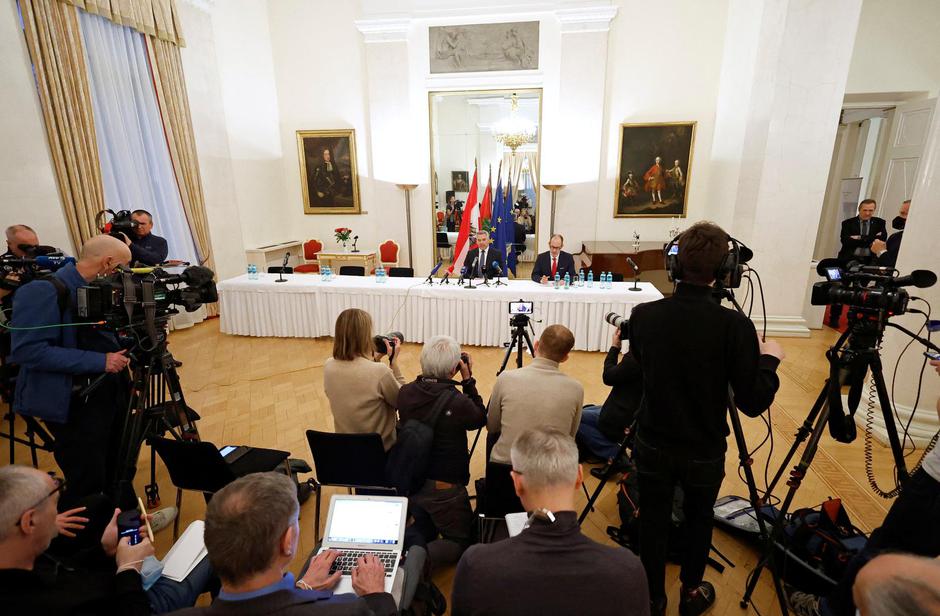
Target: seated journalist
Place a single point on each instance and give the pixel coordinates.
(690, 349)
(252, 534)
(550, 567)
(444, 495)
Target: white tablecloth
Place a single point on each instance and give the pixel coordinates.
(306, 307)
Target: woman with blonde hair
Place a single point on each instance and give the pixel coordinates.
(363, 392)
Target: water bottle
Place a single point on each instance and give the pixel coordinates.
(557, 280)
(252, 272)
(610, 281)
(567, 281)
(590, 282)
(603, 280)
(380, 274)
(581, 278)
(326, 273)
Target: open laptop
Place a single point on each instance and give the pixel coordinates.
(359, 525)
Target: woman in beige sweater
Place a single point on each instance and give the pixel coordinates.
(363, 393)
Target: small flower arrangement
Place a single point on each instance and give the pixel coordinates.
(342, 234)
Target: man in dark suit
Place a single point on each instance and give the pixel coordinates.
(547, 264)
(857, 236)
(479, 260)
(251, 536)
(886, 252)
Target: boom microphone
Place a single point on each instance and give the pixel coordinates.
(919, 278)
(635, 267)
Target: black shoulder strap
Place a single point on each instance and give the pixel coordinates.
(62, 292)
(439, 405)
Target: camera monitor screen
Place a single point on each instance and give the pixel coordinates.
(674, 250)
(833, 274)
(520, 307)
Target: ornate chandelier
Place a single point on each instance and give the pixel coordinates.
(514, 131)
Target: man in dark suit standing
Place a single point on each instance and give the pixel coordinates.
(479, 260)
(886, 252)
(857, 235)
(547, 264)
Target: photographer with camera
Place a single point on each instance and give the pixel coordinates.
(57, 360)
(21, 240)
(363, 392)
(444, 495)
(690, 349)
(146, 248)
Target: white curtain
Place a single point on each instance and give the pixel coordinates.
(135, 160)
(136, 169)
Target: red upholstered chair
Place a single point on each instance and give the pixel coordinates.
(388, 253)
(440, 218)
(310, 265)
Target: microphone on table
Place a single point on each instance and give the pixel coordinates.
(470, 272)
(434, 271)
(280, 274)
(53, 262)
(499, 270)
(446, 276)
(636, 275)
(463, 273)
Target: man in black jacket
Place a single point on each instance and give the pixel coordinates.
(690, 349)
(547, 264)
(444, 495)
(886, 252)
(98, 579)
(146, 248)
(480, 260)
(550, 567)
(857, 235)
(602, 428)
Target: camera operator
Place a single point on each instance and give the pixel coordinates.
(910, 526)
(690, 349)
(20, 239)
(444, 495)
(57, 362)
(602, 427)
(146, 248)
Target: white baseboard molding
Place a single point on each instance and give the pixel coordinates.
(782, 326)
(923, 426)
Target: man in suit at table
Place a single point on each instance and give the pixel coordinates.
(857, 235)
(547, 264)
(479, 260)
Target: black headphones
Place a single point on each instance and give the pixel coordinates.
(728, 272)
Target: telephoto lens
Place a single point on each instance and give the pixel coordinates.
(618, 321)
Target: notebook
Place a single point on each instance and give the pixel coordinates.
(186, 553)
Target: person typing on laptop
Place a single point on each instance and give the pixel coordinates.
(251, 535)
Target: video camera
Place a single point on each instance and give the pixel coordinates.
(867, 290)
(39, 261)
(130, 298)
(121, 222)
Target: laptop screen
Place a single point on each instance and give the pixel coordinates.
(365, 521)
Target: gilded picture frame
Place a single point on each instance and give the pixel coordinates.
(329, 176)
(654, 170)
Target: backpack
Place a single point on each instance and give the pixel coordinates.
(628, 505)
(406, 467)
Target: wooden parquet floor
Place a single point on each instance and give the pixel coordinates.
(266, 392)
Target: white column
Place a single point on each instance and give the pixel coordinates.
(919, 250)
(571, 149)
(782, 84)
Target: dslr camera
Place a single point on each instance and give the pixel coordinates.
(618, 321)
(383, 343)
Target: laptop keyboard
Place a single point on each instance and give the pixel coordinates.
(347, 559)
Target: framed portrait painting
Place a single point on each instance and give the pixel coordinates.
(654, 170)
(460, 181)
(328, 172)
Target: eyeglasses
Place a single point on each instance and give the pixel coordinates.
(59, 485)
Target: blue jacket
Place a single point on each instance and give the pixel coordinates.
(48, 358)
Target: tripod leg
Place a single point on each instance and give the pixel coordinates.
(600, 486)
(801, 434)
(897, 450)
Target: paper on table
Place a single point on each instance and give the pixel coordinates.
(515, 522)
(186, 553)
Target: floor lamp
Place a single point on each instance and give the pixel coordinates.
(554, 188)
(408, 188)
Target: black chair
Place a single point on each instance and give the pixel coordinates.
(32, 431)
(615, 277)
(277, 269)
(354, 461)
(500, 492)
(352, 270)
(443, 245)
(401, 272)
(199, 466)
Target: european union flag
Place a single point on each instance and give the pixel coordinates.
(505, 230)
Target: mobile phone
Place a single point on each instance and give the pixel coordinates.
(932, 355)
(128, 524)
(521, 307)
(227, 450)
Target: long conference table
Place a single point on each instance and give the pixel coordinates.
(306, 307)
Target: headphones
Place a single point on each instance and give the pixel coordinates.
(729, 270)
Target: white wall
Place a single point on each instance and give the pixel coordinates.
(28, 191)
(896, 48)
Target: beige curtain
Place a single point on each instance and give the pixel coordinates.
(167, 72)
(55, 46)
(157, 18)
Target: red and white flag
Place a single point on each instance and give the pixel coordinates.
(471, 218)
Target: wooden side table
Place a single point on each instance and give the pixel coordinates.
(335, 260)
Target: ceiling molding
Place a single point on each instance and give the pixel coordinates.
(384, 30)
(586, 19)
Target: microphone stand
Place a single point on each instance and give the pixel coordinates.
(445, 280)
(469, 284)
(636, 279)
(499, 282)
(486, 278)
(280, 272)
(355, 241)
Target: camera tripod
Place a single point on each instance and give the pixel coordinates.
(850, 359)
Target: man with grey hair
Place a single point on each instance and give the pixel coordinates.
(444, 493)
(102, 578)
(550, 567)
(20, 239)
(898, 584)
(252, 533)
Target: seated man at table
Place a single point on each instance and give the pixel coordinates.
(538, 395)
(555, 261)
(484, 260)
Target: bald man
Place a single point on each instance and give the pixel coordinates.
(57, 362)
(20, 239)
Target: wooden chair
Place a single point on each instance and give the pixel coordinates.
(440, 218)
(311, 264)
(388, 253)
